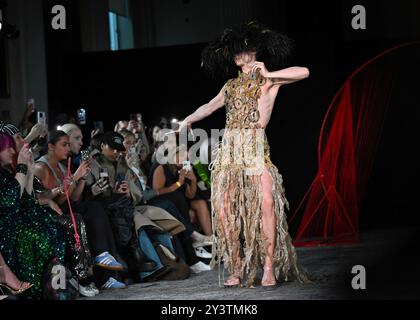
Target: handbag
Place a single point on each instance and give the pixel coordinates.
(79, 257)
(64, 291)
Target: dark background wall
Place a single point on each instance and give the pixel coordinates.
(162, 76)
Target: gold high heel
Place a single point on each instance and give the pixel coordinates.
(13, 291)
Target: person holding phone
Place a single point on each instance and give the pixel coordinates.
(29, 235)
(98, 225)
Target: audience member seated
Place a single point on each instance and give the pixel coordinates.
(99, 235)
(30, 236)
(179, 186)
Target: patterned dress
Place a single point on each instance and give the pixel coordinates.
(29, 236)
(240, 160)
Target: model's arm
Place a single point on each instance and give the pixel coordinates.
(205, 110)
(283, 76)
(288, 75)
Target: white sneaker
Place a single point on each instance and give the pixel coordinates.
(84, 291)
(87, 291)
(94, 288)
(200, 267)
(202, 253)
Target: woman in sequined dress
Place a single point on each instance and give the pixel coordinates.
(248, 198)
(29, 235)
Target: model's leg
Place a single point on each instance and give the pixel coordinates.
(231, 242)
(203, 214)
(268, 220)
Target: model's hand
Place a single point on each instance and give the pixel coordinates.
(259, 66)
(183, 125)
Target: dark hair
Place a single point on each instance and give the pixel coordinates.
(272, 48)
(55, 136)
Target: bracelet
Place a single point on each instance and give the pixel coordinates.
(59, 190)
(178, 183)
(22, 168)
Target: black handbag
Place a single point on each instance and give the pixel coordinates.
(79, 259)
(68, 290)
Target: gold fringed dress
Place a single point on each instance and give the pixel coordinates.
(237, 195)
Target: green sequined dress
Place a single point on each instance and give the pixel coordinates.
(29, 235)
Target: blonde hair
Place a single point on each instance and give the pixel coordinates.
(69, 127)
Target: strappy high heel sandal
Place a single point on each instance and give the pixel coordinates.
(228, 283)
(271, 285)
(21, 289)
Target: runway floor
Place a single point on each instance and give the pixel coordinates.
(331, 265)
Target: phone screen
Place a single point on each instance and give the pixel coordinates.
(81, 116)
(41, 118)
(99, 125)
(119, 179)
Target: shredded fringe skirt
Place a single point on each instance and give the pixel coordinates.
(239, 240)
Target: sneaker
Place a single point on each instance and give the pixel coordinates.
(200, 267)
(202, 253)
(207, 241)
(113, 284)
(94, 288)
(84, 291)
(87, 291)
(107, 261)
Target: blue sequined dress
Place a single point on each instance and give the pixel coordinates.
(29, 235)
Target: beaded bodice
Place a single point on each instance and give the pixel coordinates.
(241, 100)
